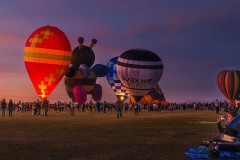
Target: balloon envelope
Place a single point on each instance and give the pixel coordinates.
(70, 72)
(118, 88)
(80, 94)
(97, 92)
(229, 84)
(84, 55)
(100, 70)
(153, 96)
(139, 71)
(47, 54)
(84, 70)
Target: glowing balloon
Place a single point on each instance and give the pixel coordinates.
(84, 70)
(229, 84)
(119, 90)
(47, 54)
(80, 94)
(139, 71)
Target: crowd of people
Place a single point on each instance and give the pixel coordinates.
(41, 107)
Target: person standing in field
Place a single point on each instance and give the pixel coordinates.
(73, 105)
(98, 106)
(10, 108)
(38, 105)
(137, 109)
(45, 107)
(119, 108)
(91, 107)
(3, 107)
(217, 106)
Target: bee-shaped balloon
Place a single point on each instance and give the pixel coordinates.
(81, 77)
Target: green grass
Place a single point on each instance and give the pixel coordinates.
(163, 135)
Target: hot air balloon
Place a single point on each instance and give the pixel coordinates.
(120, 91)
(155, 95)
(229, 84)
(139, 71)
(82, 73)
(47, 55)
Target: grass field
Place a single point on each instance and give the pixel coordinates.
(164, 135)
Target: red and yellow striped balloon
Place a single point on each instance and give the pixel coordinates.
(228, 83)
(47, 55)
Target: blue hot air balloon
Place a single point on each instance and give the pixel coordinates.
(139, 71)
(120, 91)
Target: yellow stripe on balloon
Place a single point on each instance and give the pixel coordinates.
(46, 61)
(47, 51)
(46, 56)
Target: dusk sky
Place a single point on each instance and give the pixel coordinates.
(195, 39)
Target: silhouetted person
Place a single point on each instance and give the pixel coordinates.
(10, 108)
(3, 107)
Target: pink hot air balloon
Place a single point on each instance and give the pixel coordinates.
(80, 94)
(97, 92)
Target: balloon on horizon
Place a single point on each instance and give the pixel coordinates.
(139, 71)
(229, 83)
(47, 55)
(118, 88)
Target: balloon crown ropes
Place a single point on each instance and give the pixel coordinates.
(47, 55)
(139, 71)
(82, 75)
